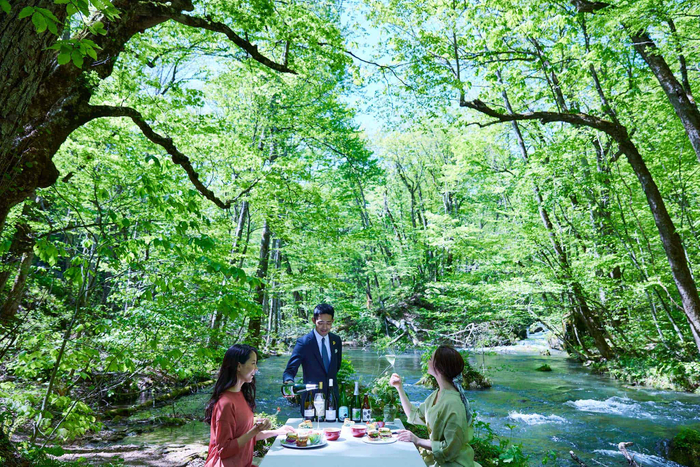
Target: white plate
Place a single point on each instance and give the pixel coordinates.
(308, 446)
(381, 441)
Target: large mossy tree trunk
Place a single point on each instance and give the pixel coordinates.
(42, 103)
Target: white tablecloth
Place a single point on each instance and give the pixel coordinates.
(345, 452)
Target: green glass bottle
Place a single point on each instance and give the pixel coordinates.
(343, 411)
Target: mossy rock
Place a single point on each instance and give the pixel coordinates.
(472, 379)
(544, 367)
(685, 448)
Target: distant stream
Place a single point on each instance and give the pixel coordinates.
(567, 409)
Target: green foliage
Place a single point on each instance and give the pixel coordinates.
(382, 394)
(492, 450)
(685, 447)
(662, 369)
(346, 373)
(471, 377)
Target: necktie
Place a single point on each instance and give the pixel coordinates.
(324, 354)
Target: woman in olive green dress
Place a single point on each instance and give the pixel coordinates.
(445, 412)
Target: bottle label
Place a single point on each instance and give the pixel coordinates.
(309, 413)
(330, 415)
(366, 415)
(355, 414)
(343, 413)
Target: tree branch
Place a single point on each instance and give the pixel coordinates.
(166, 143)
(617, 131)
(584, 6)
(215, 26)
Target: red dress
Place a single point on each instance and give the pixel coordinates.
(230, 419)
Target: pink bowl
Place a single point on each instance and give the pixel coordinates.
(332, 434)
(358, 431)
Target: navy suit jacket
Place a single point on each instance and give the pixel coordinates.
(307, 354)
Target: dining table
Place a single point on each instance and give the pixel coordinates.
(347, 451)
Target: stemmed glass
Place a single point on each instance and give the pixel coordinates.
(319, 405)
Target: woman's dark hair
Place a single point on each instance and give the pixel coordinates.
(228, 377)
(323, 309)
(448, 362)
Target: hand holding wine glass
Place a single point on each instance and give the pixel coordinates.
(262, 424)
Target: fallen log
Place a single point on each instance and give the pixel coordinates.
(623, 449)
(576, 458)
(128, 411)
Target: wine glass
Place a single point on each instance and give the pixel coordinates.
(319, 404)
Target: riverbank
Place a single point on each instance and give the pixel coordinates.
(650, 372)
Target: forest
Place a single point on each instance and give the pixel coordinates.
(179, 176)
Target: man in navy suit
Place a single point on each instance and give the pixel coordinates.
(319, 353)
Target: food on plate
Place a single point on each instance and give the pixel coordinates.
(314, 438)
(385, 432)
(302, 440)
(348, 422)
(306, 424)
(371, 426)
(373, 435)
(291, 438)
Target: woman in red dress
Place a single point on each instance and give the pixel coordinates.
(234, 429)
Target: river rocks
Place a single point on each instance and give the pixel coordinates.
(555, 343)
(685, 448)
(537, 327)
(170, 455)
(544, 367)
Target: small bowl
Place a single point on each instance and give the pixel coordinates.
(332, 434)
(358, 431)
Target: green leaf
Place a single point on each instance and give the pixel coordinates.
(71, 9)
(39, 22)
(91, 53)
(63, 58)
(77, 58)
(5, 6)
(26, 11)
(48, 14)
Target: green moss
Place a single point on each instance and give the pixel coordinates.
(685, 448)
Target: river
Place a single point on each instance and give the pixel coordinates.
(567, 409)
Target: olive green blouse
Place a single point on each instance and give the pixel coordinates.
(449, 433)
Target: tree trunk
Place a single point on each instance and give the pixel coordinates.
(255, 321)
(42, 103)
(671, 241)
(21, 242)
(592, 324)
(9, 309)
(682, 103)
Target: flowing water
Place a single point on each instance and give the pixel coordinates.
(566, 409)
